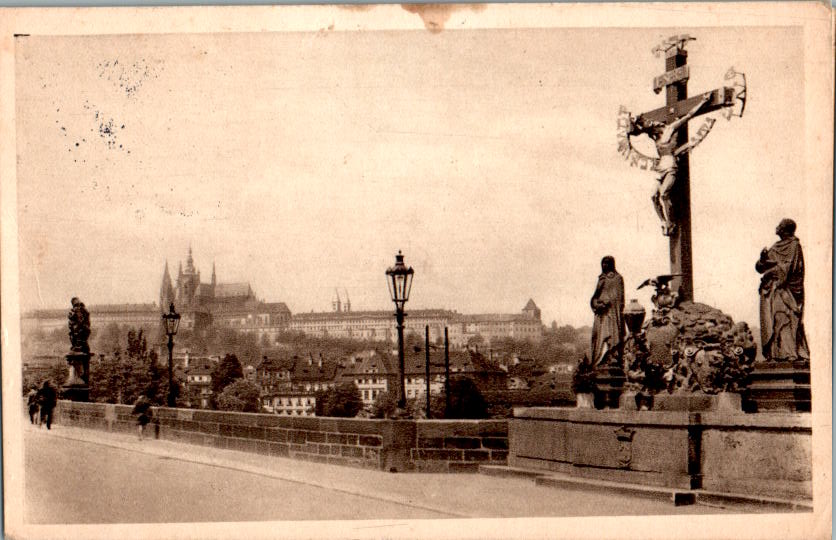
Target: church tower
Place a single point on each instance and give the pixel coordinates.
(335, 303)
(188, 281)
(166, 290)
(531, 311)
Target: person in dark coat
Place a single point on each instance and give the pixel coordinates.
(32, 401)
(47, 399)
(142, 408)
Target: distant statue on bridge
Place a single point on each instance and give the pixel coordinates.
(79, 323)
(664, 136)
(608, 305)
(782, 297)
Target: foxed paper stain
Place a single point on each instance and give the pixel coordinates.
(435, 16)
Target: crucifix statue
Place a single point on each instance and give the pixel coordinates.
(667, 127)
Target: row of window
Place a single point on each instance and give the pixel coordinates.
(371, 395)
(289, 401)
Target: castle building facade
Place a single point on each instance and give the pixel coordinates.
(236, 306)
(231, 305)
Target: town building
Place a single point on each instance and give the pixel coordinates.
(311, 375)
(373, 373)
(526, 325)
(290, 403)
(289, 385)
(198, 373)
(273, 375)
(146, 316)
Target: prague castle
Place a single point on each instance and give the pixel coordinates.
(225, 304)
(235, 305)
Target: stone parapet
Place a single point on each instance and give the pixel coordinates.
(762, 454)
(389, 445)
(459, 445)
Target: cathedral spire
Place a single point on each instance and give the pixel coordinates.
(166, 289)
(190, 261)
(336, 303)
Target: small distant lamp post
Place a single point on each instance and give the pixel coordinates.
(171, 321)
(400, 282)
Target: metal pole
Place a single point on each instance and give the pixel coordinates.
(170, 401)
(427, 349)
(446, 374)
(402, 385)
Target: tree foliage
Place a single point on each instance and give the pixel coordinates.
(121, 377)
(108, 340)
(466, 401)
(56, 374)
(384, 405)
(243, 345)
(241, 396)
(343, 401)
(417, 407)
(226, 372)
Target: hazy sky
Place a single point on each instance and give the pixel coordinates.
(301, 162)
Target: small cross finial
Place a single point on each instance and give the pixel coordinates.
(677, 42)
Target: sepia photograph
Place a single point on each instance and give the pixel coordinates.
(419, 270)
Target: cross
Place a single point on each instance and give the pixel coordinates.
(677, 106)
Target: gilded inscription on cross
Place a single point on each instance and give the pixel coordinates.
(667, 128)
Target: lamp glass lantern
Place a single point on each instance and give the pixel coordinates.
(171, 321)
(400, 281)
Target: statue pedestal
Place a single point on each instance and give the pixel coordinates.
(728, 402)
(610, 382)
(77, 387)
(779, 386)
(632, 400)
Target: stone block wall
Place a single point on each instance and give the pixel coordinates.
(766, 455)
(389, 445)
(459, 445)
(762, 454)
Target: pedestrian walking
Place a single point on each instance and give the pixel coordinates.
(34, 410)
(47, 399)
(142, 407)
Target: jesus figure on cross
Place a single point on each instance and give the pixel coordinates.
(664, 136)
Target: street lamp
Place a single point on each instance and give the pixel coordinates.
(171, 321)
(400, 282)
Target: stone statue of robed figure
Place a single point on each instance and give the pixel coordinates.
(77, 386)
(608, 305)
(782, 297)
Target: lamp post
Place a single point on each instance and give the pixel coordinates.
(171, 321)
(400, 282)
